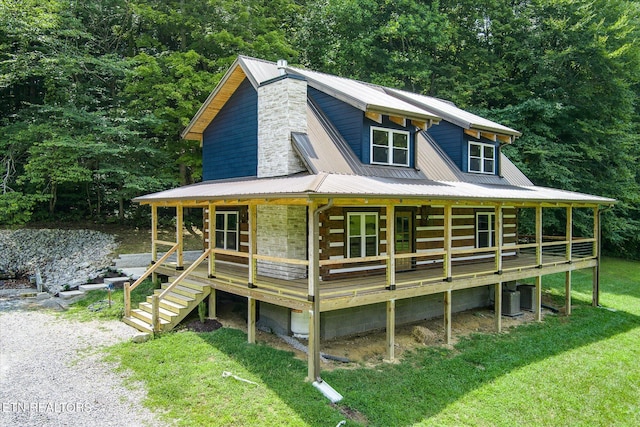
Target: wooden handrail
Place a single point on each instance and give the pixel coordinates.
(185, 273)
(128, 288)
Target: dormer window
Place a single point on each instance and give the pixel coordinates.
(482, 158)
(389, 147)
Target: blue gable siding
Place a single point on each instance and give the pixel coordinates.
(230, 142)
(348, 120)
(450, 138)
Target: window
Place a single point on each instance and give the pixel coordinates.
(481, 157)
(362, 234)
(227, 230)
(389, 147)
(485, 230)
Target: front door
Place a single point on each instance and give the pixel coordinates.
(404, 239)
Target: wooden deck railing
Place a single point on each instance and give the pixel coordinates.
(128, 288)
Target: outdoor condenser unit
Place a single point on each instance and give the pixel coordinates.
(511, 303)
(527, 297)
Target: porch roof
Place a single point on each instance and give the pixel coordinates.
(331, 185)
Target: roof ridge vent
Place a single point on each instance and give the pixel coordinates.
(282, 64)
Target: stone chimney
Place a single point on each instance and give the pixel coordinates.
(282, 109)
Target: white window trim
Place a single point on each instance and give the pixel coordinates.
(389, 146)
(363, 234)
(482, 158)
(491, 230)
(225, 230)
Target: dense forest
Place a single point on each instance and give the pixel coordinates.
(94, 94)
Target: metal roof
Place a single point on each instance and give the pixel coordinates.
(449, 112)
(353, 186)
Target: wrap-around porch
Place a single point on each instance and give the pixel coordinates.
(443, 270)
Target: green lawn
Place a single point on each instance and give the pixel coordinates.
(577, 371)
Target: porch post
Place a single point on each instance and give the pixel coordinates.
(499, 238)
(447, 242)
(212, 241)
(539, 236)
(251, 320)
(253, 243)
(179, 237)
(391, 330)
(391, 247)
(498, 306)
(567, 275)
(313, 358)
(539, 298)
(595, 296)
(447, 316)
(154, 238)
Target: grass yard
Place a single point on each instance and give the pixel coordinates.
(577, 371)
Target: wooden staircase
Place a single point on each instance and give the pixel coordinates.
(176, 304)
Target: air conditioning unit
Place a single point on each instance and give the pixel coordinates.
(511, 303)
(527, 297)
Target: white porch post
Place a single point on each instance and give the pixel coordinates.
(595, 297)
(448, 223)
(154, 238)
(539, 235)
(499, 238)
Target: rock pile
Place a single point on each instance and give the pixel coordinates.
(65, 258)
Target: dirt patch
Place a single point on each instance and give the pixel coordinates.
(369, 349)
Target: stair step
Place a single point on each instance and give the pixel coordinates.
(179, 298)
(164, 313)
(138, 324)
(169, 304)
(146, 317)
(187, 283)
(188, 292)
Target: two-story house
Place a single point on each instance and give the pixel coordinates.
(336, 206)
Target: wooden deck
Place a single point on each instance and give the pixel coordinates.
(342, 293)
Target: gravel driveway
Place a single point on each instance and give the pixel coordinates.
(51, 373)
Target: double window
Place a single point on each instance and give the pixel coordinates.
(482, 157)
(362, 234)
(389, 147)
(227, 230)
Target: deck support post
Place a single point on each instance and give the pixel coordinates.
(498, 306)
(212, 304)
(595, 296)
(391, 330)
(569, 255)
(154, 238)
(391, 250)
(448, 224)
(539, 298)
(251, 320)
(253, 243)
(180, 237)
(212, 241)
(567, 291)
(447, 316)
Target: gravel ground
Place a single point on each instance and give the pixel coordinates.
(51, 373)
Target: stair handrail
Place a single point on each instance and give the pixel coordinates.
(156, 301)
(128, 288)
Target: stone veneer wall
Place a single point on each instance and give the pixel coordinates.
(282, 232)
(282, 109)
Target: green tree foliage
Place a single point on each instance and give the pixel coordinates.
(94, 95)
